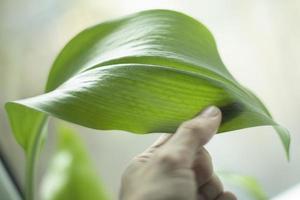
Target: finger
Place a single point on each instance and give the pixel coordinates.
(160, 141)
(144, 156)
(182, 147)
(203, 167)
(226, 196)
(212, 189)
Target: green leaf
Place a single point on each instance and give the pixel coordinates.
(143, 73)
(71, 174)
(247, 183)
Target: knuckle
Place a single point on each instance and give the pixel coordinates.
(205, 174)
(202, 153)
(125, 176)
(170, 160)
(131, 169)
(203, 166)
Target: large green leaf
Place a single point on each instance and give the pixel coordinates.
(144, 73)
(71, 174)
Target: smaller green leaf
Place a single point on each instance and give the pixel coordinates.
(71, 174)
(247, 183)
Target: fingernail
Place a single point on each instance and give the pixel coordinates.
(210, 111)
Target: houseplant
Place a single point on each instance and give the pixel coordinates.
(143, 73)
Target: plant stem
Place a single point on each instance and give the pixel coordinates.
(29, 179)
(31, 159)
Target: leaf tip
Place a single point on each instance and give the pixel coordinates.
(285, 138)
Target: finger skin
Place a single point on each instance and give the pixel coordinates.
(177, 166)
(203, 167)
(148, 153)
(226, 196)
(212, 189)
(160, 141)
(182, 147)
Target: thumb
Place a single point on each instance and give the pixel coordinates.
(182, 147)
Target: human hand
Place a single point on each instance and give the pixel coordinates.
(177, 167)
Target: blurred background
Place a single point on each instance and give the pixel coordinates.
(259, 41)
